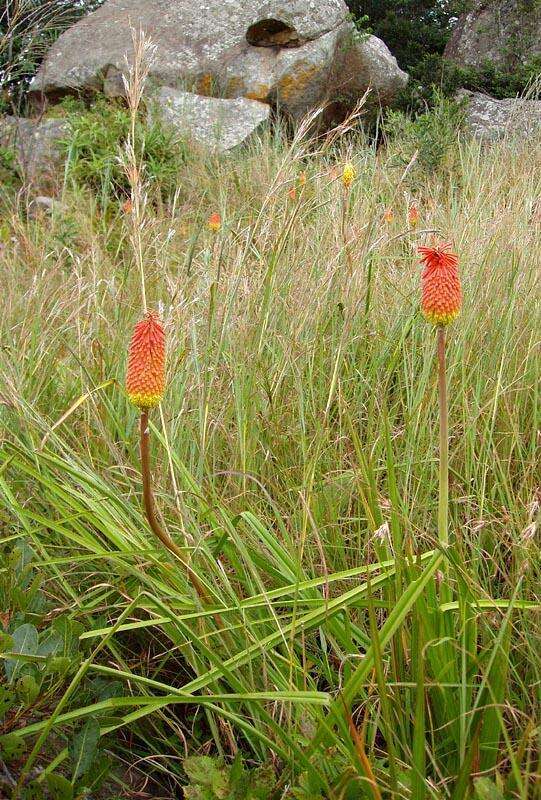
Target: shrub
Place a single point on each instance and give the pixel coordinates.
(433, 134)
(96, 136)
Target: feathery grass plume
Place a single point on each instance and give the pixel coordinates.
(145, 378)
(348, 175)
(441, 292)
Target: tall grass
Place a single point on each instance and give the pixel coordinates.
(296, 463)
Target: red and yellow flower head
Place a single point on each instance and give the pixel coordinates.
(413, 215)
(441, 292)
(145, 378)
(214, 222)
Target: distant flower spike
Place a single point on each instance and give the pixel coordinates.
(215, 222)
(413, 215)
(145, 379)
(348, 175)
(441, 292)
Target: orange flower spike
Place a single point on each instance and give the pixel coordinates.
(214, 222)
(145, 379)
(440, 282)
(388, 216)
(292, 194)
(413, 215)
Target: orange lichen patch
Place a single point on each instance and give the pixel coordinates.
(294, 83)
(145, 378)
(235, 88)
(205, 85)
(259, 91)
(441, 291)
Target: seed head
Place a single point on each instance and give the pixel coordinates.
(145, 379)
(441, 292)
(348, 175)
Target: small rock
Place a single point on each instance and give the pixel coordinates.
(217, 124)
(42, 204)
(37, 146)
(491, 119)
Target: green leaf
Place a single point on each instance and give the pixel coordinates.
(7, 700)
(198, 793)
(58, 665)
(25, 642)
(201, 769)
(83, 748)
(32, 791)
(220, 783)
(59, 787)
(27, 689)
(485, 789)
(12, 746)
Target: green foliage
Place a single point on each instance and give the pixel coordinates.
(96, 136)
(212, 779)
(410, 28)
(27, 30)
(38, 658)
(433, 76)
(431, 135)
(9, 172)
(416, 31)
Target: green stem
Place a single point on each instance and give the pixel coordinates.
(443, 503)
(443, 506)
(148, 501)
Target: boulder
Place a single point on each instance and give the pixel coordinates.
(37, 146)
(490, 119)
(505, 33)
(289, 54)
(214, 122)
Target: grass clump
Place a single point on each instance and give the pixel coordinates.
(295, 464)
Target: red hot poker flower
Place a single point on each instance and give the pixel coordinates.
(214, 222)
(145, 379)
(441, 292)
